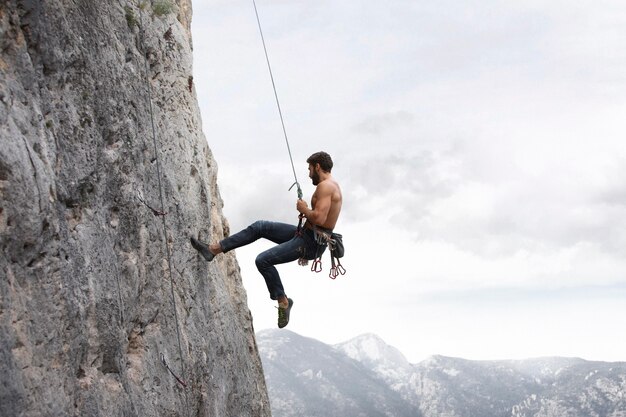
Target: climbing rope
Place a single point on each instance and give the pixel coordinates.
(161, 213)
(280, 113)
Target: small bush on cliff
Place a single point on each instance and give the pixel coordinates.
(130, 17)
(162, 7)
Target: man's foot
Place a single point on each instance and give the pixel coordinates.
(283, 314)
(203, 248)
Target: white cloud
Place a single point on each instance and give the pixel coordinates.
(479, 146)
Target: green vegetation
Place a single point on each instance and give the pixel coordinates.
(162, 7)
(130, 17)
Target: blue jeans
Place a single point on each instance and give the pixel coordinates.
(289, 248)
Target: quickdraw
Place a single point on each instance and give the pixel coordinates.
(164, 362)
(317, 265)
(154, 211)
(336, 268)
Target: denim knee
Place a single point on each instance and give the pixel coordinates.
(261, 262)
(258, 227)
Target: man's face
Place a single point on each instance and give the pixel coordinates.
(313, 174)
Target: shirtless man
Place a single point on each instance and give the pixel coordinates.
(323, 215)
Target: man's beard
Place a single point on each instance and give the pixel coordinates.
(315, 177)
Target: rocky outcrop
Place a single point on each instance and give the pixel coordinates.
(95, 289)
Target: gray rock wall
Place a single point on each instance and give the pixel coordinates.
(94, 288)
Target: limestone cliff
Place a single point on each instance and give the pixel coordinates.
(95, 290)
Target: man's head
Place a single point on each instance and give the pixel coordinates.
(319, 162)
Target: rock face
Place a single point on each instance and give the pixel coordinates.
(95, 290)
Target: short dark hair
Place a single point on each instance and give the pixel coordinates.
(322, 158)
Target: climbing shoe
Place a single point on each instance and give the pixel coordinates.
(283, 314)
(203, 248)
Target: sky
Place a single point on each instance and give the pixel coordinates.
(480, 150)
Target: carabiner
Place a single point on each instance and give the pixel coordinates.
(317, 265)
(333, 273)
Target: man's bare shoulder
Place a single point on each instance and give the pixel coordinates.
(328, 186)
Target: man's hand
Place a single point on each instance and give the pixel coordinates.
(302, 206)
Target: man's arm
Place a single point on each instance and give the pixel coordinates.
(323, 200)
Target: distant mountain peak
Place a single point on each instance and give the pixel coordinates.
(366, 346)
(372, 350)
(366, 377)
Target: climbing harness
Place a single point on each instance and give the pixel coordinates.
(334, 242)
(280, 113)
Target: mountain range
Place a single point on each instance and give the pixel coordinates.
(365, 377)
